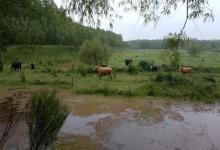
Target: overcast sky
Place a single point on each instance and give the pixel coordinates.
(131, 26)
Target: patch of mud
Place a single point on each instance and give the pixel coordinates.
(14, 98)
(19, 138)
(78, 143)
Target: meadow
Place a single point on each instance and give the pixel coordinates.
(59, 67)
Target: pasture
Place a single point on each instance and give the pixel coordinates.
(59, 67)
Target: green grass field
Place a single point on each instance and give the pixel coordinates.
(59, 67)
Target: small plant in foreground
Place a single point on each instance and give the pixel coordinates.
(23, 77)
(45, 117)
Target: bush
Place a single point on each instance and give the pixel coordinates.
(83, 72)
(45, 116)
(167, 68)
(132, 70)
(95, 52)
(209, 79)
(171, 79)
(151, 90)
(145, 65)
(199, 90)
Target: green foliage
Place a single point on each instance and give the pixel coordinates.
(151, 91)
(42, 22)
(193, 51)
(200, 45)
(83, 72)
(1, 63)
(171, 79)
(171, 55)
(151, 11)
(145, 65)
(94, 52)
(107, 90)
(132, 69)
(23, 77)
(45, 116)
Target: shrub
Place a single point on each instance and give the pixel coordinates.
(23, 77)
(200, 90)
(167, 68)
(105, 90)
(145, 65)
(132, 70)
(151, 90)
(45, 116)
(83, 72)
(95, 52)
(193, 50)
(171, 79)
(209, 79)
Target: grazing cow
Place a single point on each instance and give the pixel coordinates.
(154, 68)
(128, 62)
(32, 66)
(101, 71)
(185, 70)
(16, 66)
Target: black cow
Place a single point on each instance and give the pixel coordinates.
(16, 66)
(154, 68)
(128, 62)
(32, 66)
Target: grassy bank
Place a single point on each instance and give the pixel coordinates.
(60, 67)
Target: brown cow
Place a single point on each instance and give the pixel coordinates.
(185, 70)
(101, 71)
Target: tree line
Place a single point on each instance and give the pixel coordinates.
(41, 22)
(202, 45)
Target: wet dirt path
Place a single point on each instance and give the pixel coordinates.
(121, 123)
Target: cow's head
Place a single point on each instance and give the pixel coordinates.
(95, 68)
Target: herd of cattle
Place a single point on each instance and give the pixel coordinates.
(104, 71)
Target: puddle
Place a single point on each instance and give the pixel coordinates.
(198, 131)
(107, 123)
(81, 125)
(180, 127)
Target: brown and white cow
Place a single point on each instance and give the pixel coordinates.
(185, 70)
(102, 71)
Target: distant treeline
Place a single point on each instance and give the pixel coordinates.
(213, 45)
(41, 22)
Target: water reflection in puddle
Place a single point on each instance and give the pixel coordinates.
(179, 127)
(196, 130)
(80, 125)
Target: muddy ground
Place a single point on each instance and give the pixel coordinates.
(124, 123)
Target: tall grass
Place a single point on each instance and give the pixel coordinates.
(45, 116)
